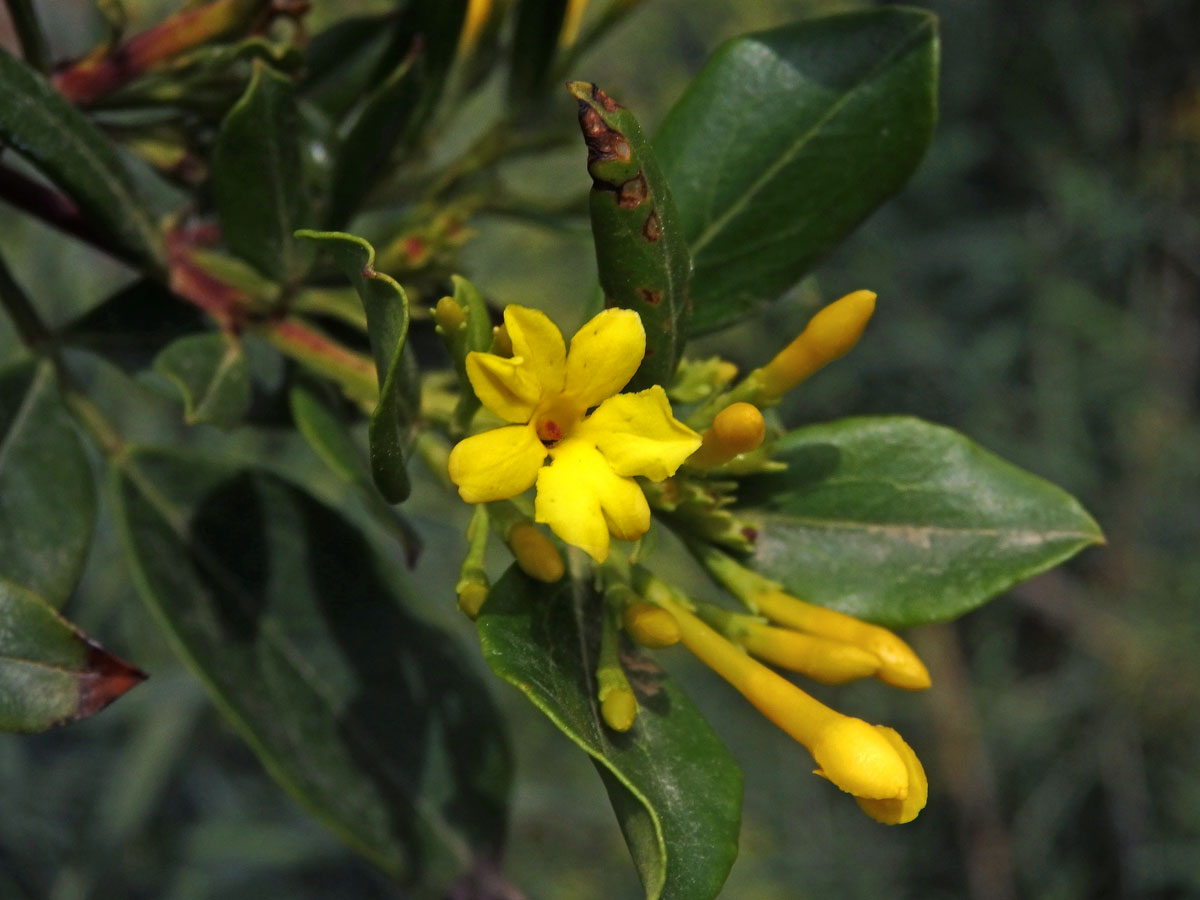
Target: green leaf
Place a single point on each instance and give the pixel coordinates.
(786, 140)
(258, 175)
(382, 124)
(211, 373)
(50, 672)
(534, 45)
(330, 438)
(47, 494)
(71, 152)
(640, 249)
(902, 522)
(386, 306)
(132, 326)
(366, 715)
(676, 791)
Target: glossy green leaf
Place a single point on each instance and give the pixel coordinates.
(47, 493)
(60, 141)
(211, 373)
(902, 522)
(386, 306)
(50, 672)
(641, 253)
(787, 139)
(381, 125)
(258, 175)
(368, 716)
(534, 45)
(676, 791)
(330, 437)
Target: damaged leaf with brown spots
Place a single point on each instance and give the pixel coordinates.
(642, 257)
(50, 672)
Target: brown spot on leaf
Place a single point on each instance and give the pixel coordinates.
(604, 100)
(633, 192)
(750, 534)
(604, 143)
(652, 297)
(652, 229)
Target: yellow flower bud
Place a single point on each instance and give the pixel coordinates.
(898, 811)
(650, 625)
(860, 760)
(477, 15)
(738, 428)
(830, 334)
(571, 20)
(449, 315)
(471, 596)
(619, 709)
(899, 665)
(501, 342)
(535, 554)
(821, 659)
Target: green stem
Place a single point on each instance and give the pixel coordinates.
(610, 675)
(29, 31)
(730, 574)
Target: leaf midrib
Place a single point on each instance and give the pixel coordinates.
(1042, 537)
(718, 224)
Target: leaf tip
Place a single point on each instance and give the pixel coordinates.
(106, 678)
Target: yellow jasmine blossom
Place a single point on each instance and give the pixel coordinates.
(587, 492)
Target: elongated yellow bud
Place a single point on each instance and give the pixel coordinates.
(449, 315)
(571, 21)
(650, 625)
(534, 552)
(849, 752)
(899, 665)
(471, 595)
(821, 659)
(738, 428)
(899, 811)
(501, 342)
(619, 709)
(473, 22)
(830, 334)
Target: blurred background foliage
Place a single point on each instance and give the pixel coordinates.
(1038, 285)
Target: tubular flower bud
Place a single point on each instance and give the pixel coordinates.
(899, 665)
(821, 659)
(501, 342)
(534, 553)
(571, 21)
(471, 595)
(650, 625)
(619, 708)
(449, 315)
(473, 22)
(848, 752)
(830, 334)
(897, 812)
(738, 428)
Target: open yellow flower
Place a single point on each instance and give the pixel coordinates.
(587, 491)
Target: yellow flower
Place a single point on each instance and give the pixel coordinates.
(587, 491)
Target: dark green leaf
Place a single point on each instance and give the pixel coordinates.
(534, 44)
(365, 714)
(71, 152)
(330, 438)
(50, 673)
(640, 249)
(787, 139)
(902, 522)
(675, 789)
(386, 306)
(132, 326)
(258, 175)
(47, 495)
(339, 60)
(211, 373)
(381, 125)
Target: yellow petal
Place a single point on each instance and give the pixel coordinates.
(507, 387)
(604, 354)
(537, 341)
(496, 464)
(638, 435)
(582, 499)
(897, 812)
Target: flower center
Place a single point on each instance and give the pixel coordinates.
(555, 421)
